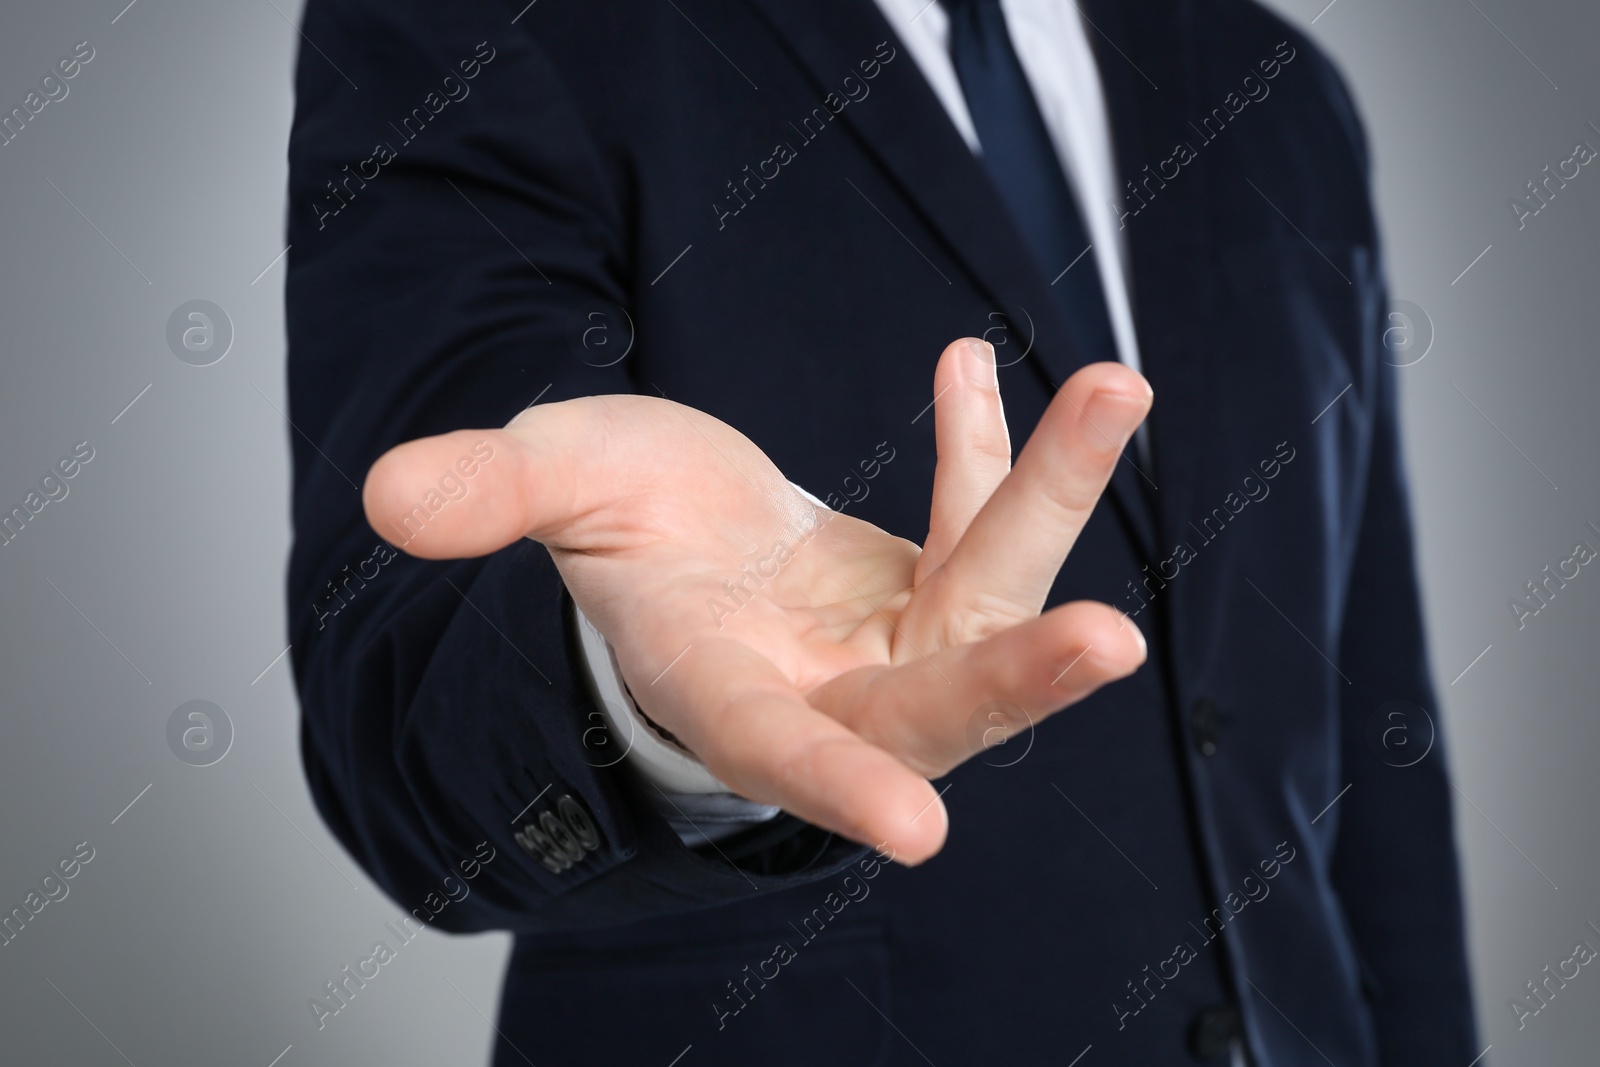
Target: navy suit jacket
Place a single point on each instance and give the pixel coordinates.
(759, 208)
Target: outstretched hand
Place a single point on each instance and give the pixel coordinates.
(847, 679)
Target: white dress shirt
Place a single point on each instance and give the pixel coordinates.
(1051, 41)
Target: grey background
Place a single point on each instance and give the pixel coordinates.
(216, 904)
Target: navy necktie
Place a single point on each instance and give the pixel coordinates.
(1022, 162)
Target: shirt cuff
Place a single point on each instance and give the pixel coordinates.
(699, 808)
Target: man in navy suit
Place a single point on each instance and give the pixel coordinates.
(756, 749)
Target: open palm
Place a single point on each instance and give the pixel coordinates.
(810, 659)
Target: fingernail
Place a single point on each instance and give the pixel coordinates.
(983, 352)
(1138, 634)
(1109, 419)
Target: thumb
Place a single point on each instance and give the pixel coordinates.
(465, 493)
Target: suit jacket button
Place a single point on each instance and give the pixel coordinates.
(1205, 725)
(1213, 1032)
(566, 845)
(577, 820)
(536, 843)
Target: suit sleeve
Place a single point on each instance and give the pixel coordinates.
(1395, 865)
(459, 249)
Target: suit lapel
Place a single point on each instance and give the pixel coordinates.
(908, 132)
(1150, 74)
